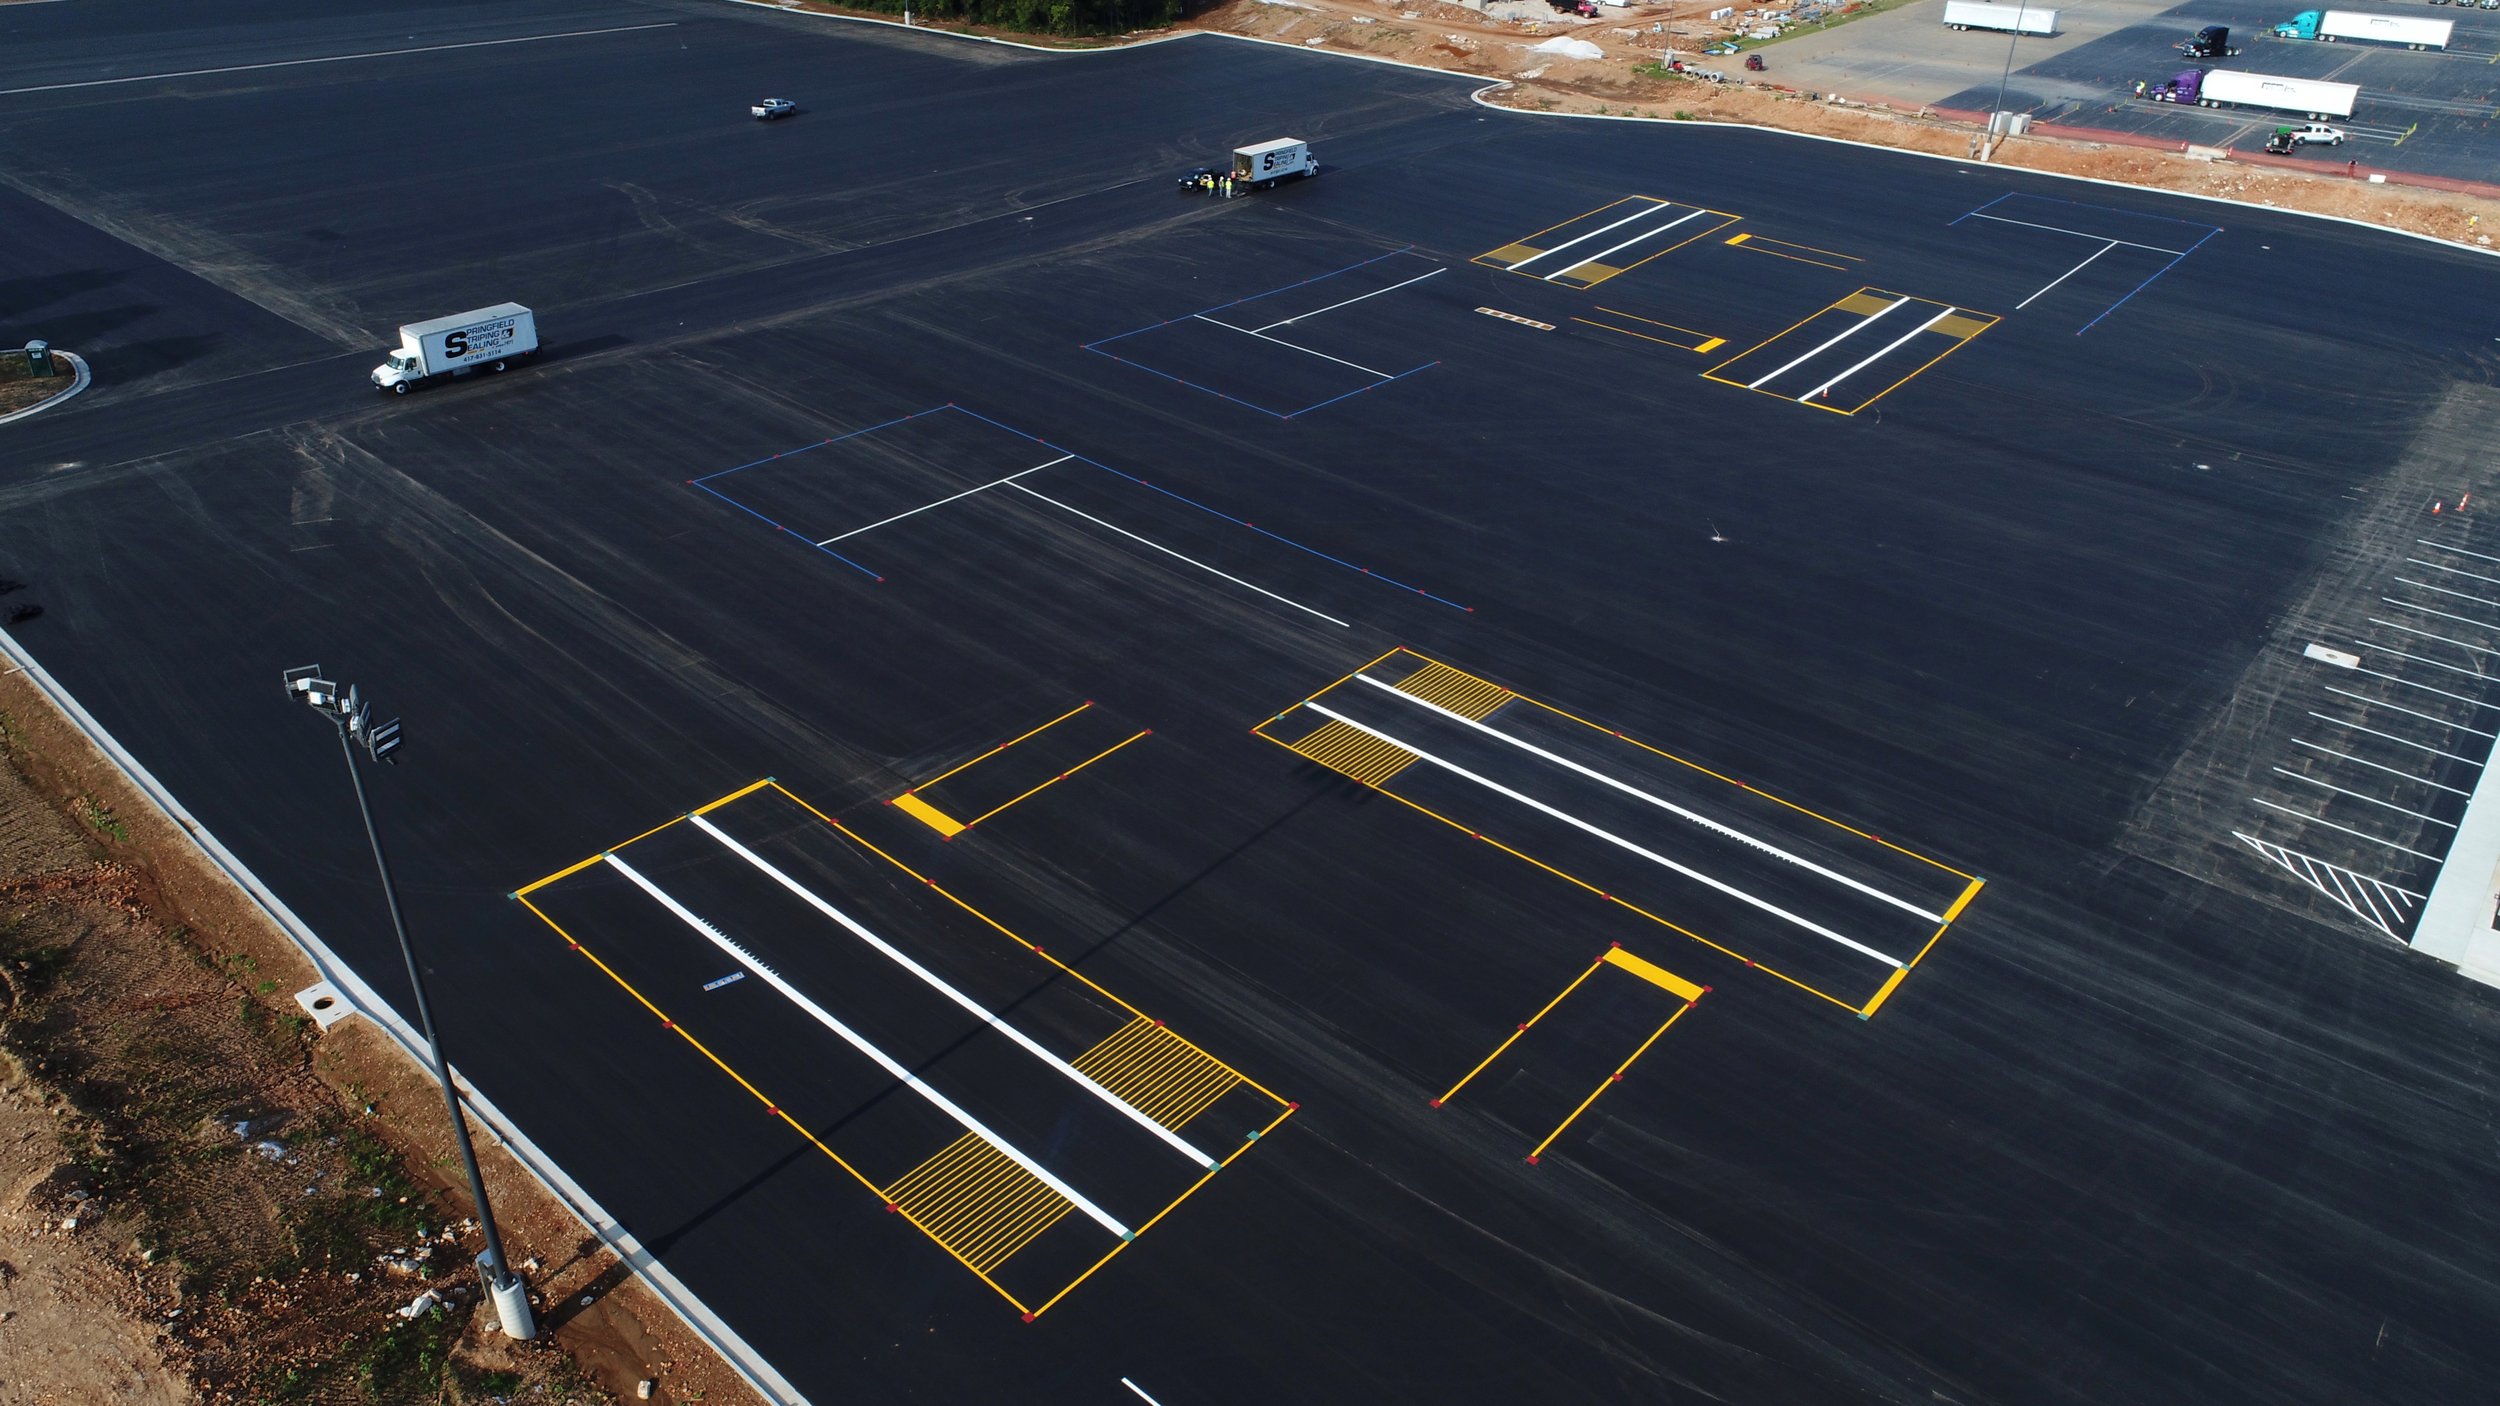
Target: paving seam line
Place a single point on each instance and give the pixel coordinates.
(79, 383)
(750, 1365)
(1478, 98)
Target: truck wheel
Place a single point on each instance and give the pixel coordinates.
(399, 387)
(501, 365)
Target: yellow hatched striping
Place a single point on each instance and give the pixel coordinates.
(974, 1200)
(1455, 689)
(1357, 753)
(1157, 1072)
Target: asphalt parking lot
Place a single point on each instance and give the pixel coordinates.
(2419, 110)
(1846, 573)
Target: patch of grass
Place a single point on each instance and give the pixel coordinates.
(409, 1356)
(100, 816)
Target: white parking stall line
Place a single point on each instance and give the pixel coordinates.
(2429, 663)
(337, 58)
(1852, 330)
(2365, 699)
(1141, 1392)
(1889, 348)
(1635, 239)
(1167, 551)
(939, 984)
(2079, 234)
(942, 502)
(2426, 688)
(1332, 307)
(2400, 741)
(2381, 904)
(1617, 840)
(2307, 819)
(2460, 551)
(2403, 604)
(2461, 595)
(1306, 351)
(2454, 570)
(1671, 807)
(2443, 639)
(2374, 766)
(2027, 302)
(2373, 800)
(852, 1038)
(1654, 207)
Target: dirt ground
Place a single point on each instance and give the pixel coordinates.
(203, 1199)
(19, 389)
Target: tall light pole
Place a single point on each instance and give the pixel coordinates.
(380, 741)
(2008, 75)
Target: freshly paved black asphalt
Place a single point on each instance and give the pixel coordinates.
(2419, 110)
(2126, 1135)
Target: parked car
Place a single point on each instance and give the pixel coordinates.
(771, 108)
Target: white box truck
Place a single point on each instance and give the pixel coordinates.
(2310, 97)
(2330, 25)
(459, 344)
(1256, 167)
(2005, 19)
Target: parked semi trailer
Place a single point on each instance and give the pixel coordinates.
(2007, 19)
(2331, 25)
(459, 344)
(2309, 97)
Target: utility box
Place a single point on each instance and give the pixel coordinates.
(39, 358)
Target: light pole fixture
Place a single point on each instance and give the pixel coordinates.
(352, 716)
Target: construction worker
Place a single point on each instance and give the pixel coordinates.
(2139, 87)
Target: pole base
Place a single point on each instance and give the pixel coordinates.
(512, 1308)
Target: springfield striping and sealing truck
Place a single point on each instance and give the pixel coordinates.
(2330, 25)
(2309, 97)
(459, 344)
(2006, 19)
(1256, 167)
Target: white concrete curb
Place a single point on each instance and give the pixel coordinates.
(742, 1359)
(80, 383)
(1478, 97)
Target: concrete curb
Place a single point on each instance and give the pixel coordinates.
(77, 384)
(629, 1250)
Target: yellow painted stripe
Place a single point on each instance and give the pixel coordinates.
(740, 794)
(1891, 984)
(1864, 304)
(1510, 254)
(927, 814)
(1654, 974)
(1741, 238)
(1611, 1080)
(1961, 326)
(1964, 901)
(1712, 345)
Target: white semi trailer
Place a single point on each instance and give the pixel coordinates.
(2310, 97)
(2328, 26)
(459, 344)
(2006, 19)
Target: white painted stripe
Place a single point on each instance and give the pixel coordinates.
(855, 1041)
(2079, 234)
(2403, 604)
(1262, 336)
(1332, 307)
(1534, 804)
(2410, 713)
(334, 58)
(2374, 766)
(2426, 688)
(1889, 349)
(2461, 595)
(940, 984)
(1654, 207)
(1701, 820)
(2027, 302)
(2373, 800)
(1141, 1392)
(2307, 819)
(1635, 239)
(2399, 741)
(2454, 570)
(2460, 551)
(1167, 551)
(2425, 634)
(2418, 659)
(942, 502)
(1854, 329)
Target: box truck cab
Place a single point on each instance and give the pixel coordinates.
(457, 345)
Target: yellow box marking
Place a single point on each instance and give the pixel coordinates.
(1354, 752)
(1864, 304)
(1712, 345)
(1510, 254)
(1961, 325)
(1654, 974)
(1741, 238)
(1957, 326)
(1455, 689)
(1586, 275)
(978, 1202)
(1157, 1073)
(927, 814)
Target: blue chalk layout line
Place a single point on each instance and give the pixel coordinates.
(1014, 480)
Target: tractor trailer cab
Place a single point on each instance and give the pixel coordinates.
(2211, 42)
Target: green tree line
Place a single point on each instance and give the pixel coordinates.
(1042, 16)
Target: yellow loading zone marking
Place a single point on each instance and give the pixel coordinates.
(1586, 274)
(1686, 991)
(928, 815)
(1703, 342)
(1354, 752)
(909, 803)
(1957, 325)
(1157, 1073)
(1335, 730)
(1455, 689)
(979, 1220)
(1755, 244)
